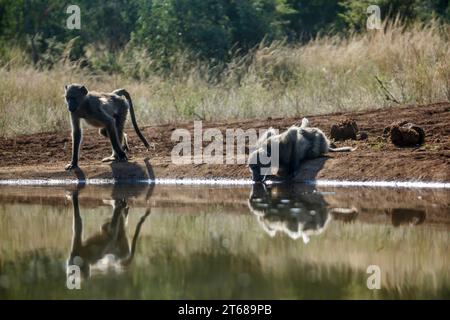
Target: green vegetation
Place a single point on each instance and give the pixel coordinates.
(221, 59)
(214, 30)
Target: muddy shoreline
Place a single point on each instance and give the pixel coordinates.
(43, 155)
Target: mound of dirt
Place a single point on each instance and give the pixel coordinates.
(362, 135)
(344, 130)
(405, 134)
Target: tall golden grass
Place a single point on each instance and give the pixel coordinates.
(362, 71)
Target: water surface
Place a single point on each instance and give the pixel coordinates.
(218, 242)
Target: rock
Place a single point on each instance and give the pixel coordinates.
(405, 134)
(344, 130)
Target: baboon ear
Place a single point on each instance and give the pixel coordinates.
(84, 90)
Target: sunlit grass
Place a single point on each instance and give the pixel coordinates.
(327, 74)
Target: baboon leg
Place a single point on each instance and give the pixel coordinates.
(76, 141)
(120, 124)
(123, 141)
(125, 145)
(118, 153)
(103, 132)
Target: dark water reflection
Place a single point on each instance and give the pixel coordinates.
(167, 242)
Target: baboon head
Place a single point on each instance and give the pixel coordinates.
(259, 163)
(74, 94)
(255, 167)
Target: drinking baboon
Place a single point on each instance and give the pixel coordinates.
(294, 145)
(107, 111)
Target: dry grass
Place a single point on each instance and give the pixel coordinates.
(325, 75)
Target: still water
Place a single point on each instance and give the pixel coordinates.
(206, 242)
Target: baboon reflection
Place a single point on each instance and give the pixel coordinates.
(296, 210)
(300, 212)
(109, 247)
(286, 209)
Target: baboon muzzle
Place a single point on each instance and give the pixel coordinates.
(256, 174)
(72, 106)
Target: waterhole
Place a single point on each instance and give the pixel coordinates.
(206, 241)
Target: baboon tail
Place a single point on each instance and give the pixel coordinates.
(305, 123)
(124, 93)
(343, 149)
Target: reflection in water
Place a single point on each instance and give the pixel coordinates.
(290, 210)
(108, 248)
(345, 215)
(301, 212)
(203, 243)
(402, 216)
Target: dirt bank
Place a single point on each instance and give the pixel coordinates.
(44, 155)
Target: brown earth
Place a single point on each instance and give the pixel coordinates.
(44, 155)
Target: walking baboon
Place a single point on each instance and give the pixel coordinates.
(107, 111)
(294, 145)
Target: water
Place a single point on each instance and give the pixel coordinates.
(219, 242)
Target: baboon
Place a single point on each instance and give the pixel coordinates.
(294, 145)
(107, 111)
(110, 240)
